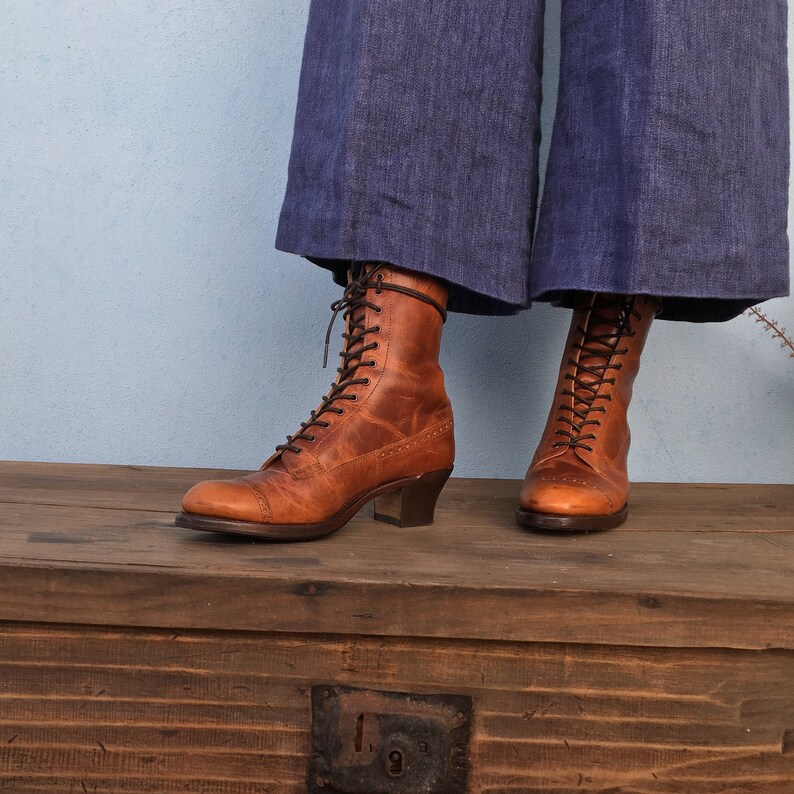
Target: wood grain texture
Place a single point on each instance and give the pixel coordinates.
(95, 544)
(137, 657)
(686, 507)
(122, 710)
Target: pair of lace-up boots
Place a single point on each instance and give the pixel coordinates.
(384, 431)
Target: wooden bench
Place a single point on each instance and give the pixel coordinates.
(139, 657)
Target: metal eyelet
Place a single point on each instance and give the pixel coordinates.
(376, 329)
(366, 381)
(378, 309)
(298, 451)
(311, 438)
(375, 345)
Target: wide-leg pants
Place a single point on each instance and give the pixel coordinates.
(416, 143)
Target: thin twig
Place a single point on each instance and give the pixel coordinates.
(773, 328)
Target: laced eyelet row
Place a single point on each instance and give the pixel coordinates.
(583, 393)
(355, 303)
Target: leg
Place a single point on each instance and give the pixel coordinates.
(668, 176)
(668, 170)
(416, 143)
(415, 147)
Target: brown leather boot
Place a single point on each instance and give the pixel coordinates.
(577, 479)
(383, 431)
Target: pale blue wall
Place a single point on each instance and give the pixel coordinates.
(145, 317)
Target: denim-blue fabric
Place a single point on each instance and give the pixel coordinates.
(416, 143)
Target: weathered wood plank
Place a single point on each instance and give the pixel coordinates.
(233, 710)
(56, 681)
(149, 598)
(656, 507)
(126, 567)
(509, 666)
(712, 563)
(154, 488)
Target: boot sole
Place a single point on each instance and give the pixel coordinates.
(558, 523)
(407, 502)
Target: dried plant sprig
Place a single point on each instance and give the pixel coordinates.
(773, 327)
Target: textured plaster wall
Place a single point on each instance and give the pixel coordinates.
(146, 318)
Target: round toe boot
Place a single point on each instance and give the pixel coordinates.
(383, 432)
(578, 478)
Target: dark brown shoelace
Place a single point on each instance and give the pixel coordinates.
(353, 304)
(585, 393)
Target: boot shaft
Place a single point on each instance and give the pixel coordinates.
(401, 314)
(595, 383)
(389, 384)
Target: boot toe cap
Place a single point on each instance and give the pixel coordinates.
(565, 497)
(230, 499)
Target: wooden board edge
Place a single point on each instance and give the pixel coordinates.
(170, 599)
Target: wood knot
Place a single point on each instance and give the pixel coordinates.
(650, 602)
(304, 589)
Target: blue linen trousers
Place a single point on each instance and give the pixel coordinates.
(416, 143)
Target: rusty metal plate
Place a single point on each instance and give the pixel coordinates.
(370, 742)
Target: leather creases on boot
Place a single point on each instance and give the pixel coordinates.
(384, 430)
(577, 479)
